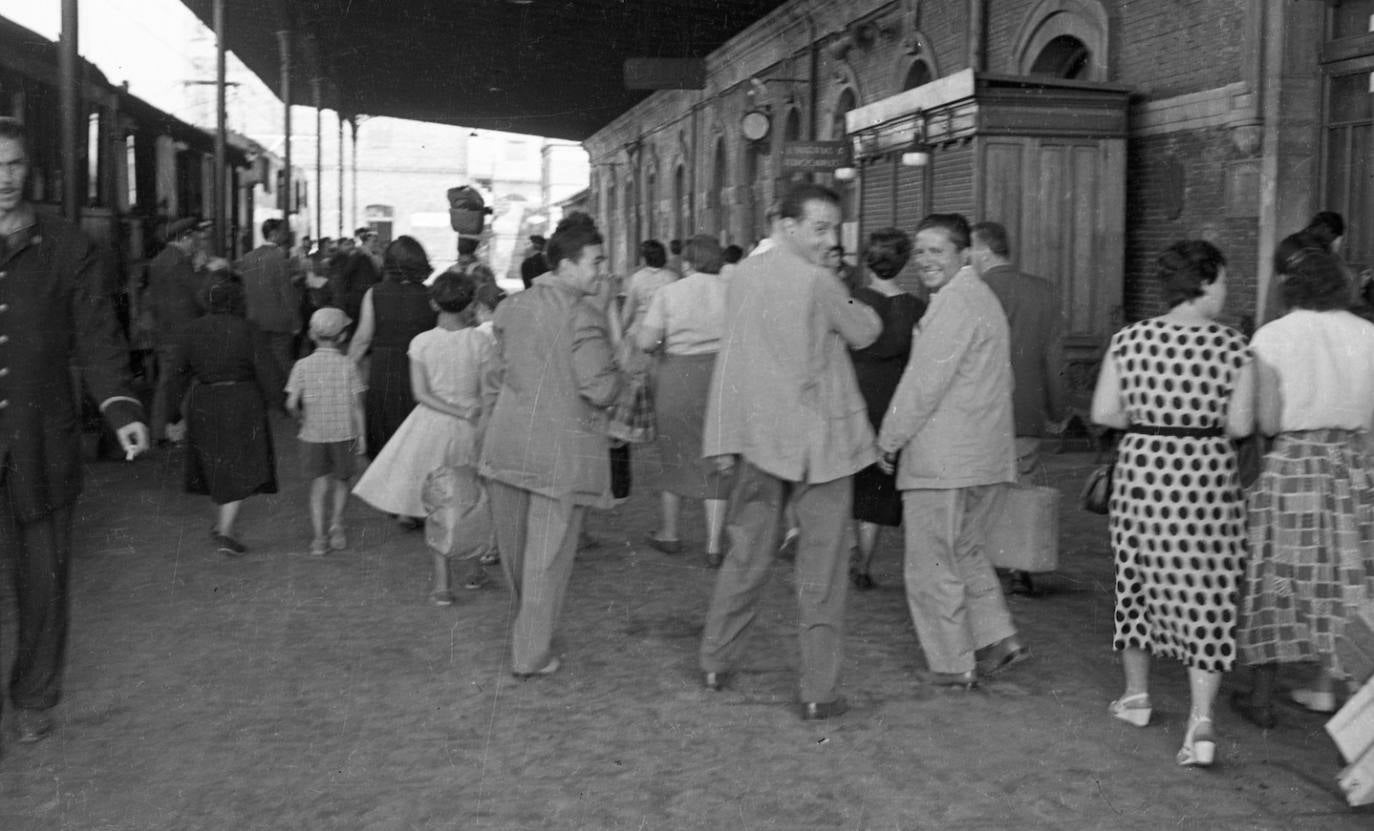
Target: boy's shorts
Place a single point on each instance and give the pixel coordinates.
(328, 458)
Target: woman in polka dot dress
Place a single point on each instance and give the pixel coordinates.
(1179, 385)
(1311, 513)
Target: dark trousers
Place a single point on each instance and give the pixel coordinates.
(41, 551)
(620, 471)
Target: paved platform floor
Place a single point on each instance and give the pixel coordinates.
(284, 691)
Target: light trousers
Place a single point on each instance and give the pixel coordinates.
(752, 526)
(537, 537)
(952, 591)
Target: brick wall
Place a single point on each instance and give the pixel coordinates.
(1184, 172)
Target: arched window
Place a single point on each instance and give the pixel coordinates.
(792, 129)
(1064, 39)
(680, 207)
(918, 74)
(650, 203)
(847, 101)
(715, 204)
(1063, 57)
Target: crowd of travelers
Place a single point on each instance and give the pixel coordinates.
(807, 402)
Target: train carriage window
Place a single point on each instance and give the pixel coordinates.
(93, 159)
(131, 161)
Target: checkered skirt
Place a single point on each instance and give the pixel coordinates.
(1311, 520)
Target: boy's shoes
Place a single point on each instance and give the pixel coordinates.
(476, 580)
(491, 558)
(32, 725)
(440, 597)
(337, 539)
(319, 547)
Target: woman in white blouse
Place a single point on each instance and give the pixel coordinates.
(1311, 514)
(684, 323)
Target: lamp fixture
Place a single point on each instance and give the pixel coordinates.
(917, 155)
(848, 171)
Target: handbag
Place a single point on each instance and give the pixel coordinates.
(1097, 491)
(632, 416)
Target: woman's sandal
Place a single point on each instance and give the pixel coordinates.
(1199, 745)
(1133, 709)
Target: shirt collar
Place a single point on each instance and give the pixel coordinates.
(28, 233)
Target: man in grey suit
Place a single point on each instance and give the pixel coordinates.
(1037, 353)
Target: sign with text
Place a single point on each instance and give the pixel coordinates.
(665, 73)
(812, 156)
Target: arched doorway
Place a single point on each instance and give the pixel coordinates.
(917, 75)
(715, 205)
(680, 208)
(1064, 39)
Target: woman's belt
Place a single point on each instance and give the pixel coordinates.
(226, 383)
(1177, 432)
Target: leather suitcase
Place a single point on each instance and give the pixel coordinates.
(1024, 530)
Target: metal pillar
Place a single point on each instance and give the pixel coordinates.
(319, 160)
(284, 45)
(221, 157)
(353, 124)
(341, 178)
(70, 94)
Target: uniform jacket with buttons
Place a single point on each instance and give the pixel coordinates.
(55, 314)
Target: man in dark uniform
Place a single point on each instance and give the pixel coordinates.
(176, 294)
(55, 312)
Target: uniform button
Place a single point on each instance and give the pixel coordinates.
(4, 371)
(4, 307)
(4, 339)
(4, 402)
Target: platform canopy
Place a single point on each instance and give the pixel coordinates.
(541, 67)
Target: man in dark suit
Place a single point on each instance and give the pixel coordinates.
(55, 312)
(1037, 353)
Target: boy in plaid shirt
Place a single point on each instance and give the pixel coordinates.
(325, 394)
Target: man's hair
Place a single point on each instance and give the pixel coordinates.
(651, 250)
(1325, 227)
(468, 245)
(732, 253)
(793, 205)
(1187, 267)
(270, 227)
(569, 240)
(538, 241)
(704, 253)
(580, 219)
(14, 130)
(364, 233)
(888, 251)
(994, 236)
(675, 246)
(952, 224)
(453, 292)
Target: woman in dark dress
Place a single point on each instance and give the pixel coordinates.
(877, 502)
(232, 379)
(393, 312)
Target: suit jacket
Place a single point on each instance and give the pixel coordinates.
(951, 413)
(783, 394)
(176, 291)
(1037, 346)
(55, 314)
(553, 379)
(273, 300)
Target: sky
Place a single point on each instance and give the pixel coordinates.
(155, 46)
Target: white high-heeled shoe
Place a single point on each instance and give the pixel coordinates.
(1199, 744)
(1132, 709)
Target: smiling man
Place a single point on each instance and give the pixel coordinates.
(784, 408)
(54, 313)
(951, 420)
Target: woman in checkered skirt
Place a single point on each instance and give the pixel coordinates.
(1311, 514)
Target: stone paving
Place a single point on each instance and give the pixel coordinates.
(284, 691)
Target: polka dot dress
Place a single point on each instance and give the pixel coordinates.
(1177, 513)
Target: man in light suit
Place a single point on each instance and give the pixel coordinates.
(784, 409)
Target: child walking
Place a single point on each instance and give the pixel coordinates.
(447, 365)
(325, 394)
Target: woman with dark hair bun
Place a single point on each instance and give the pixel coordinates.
(232, 378)
(1181, 386)
(879, 367)
(393, 312)
(1311, 513)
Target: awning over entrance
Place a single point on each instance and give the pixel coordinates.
(528, 66)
